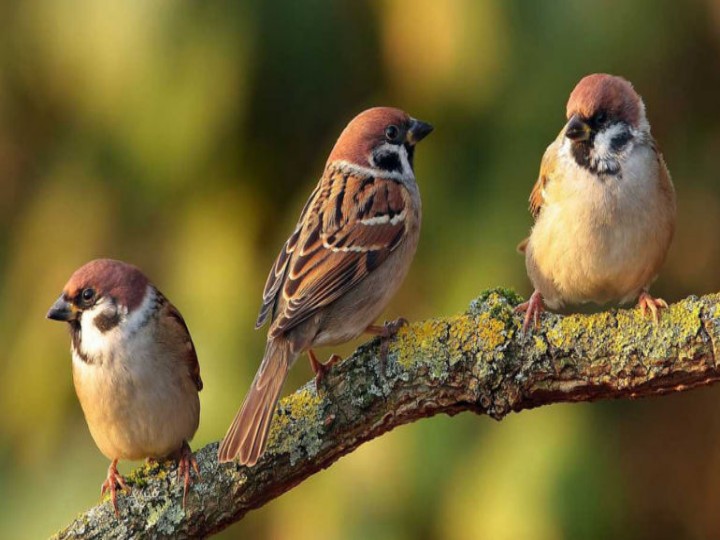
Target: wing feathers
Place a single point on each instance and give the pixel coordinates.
(348, 228)
(176, 331)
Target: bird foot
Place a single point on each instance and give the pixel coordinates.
(111, 483)
(321, 369)
(185, 462)
(533, 308)
(386, 332)
(655, 305)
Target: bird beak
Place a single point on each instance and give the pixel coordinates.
(577, 129)
(417, 132)
(62, 310)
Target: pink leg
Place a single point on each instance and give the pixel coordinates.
(532, 309)
(386, 332)
(320, 369)
(185, 462)
(113, 479)
(645, 302)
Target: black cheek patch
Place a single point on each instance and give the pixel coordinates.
(388, 161)
(105, 323)
(619, 142)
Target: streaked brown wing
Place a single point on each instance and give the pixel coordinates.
(666, 185)
(276, 277)
(547, 170)
(354, 224)
(181, 332)
(536, 196)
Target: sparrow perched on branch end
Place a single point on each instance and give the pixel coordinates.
(135, 370)
(349, 253)
(604, 205)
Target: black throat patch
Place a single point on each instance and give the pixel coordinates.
(387, 161)
(411, 155)
(581, 152)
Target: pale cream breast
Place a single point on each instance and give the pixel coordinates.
(600, 239)
(137, 397)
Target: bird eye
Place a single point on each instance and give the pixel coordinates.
(601, 117)
(87, 295)
(392, 132)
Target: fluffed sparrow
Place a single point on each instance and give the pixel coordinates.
(135, 370)
(349, 253)
(604, 205)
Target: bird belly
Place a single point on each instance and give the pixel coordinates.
(136, 405)
(593, 251)
(349, 316)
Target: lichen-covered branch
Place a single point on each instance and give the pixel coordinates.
(478, 361)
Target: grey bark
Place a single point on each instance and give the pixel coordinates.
(478, 361)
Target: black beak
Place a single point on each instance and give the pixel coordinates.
(577, 129)
(418, 131)
(62, 310)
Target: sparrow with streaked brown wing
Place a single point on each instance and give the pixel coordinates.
(134, 366)
(604, 205)
(349, 253)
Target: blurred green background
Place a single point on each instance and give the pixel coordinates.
(185, 137)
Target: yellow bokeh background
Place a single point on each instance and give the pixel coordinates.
(185, 137)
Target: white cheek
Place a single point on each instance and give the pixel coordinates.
(406, 169)
(96, 344)
(603, 141)
(565, 148)
(578, 173)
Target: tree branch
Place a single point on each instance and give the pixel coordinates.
(478, 362)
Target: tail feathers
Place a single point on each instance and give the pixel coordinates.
(247, 436)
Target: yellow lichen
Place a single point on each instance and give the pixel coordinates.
(450, 340)
(491, 332)
(565, 331)
(420, 342)
(678, 325)
(540, 345)
(293, 409)
(462, 338)
(716, 312)
(626, 332)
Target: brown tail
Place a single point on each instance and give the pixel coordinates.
(247, 436)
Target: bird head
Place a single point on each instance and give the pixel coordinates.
(101, 299)
(605, 116)
(382, 139)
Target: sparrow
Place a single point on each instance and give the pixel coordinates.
(134, 365)
(604, 205)
(348, 254)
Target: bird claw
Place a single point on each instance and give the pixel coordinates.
(386, 332)
(113, 479)
(655, 305)
(533, 308)
(186, 461)
(321, 369)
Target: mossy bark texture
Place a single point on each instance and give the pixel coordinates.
(479, 361)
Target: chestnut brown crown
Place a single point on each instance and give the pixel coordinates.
(107, 277)
(371, 129)
(607, 94)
